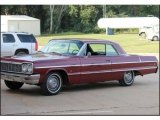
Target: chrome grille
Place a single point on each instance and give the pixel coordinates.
(11, 67)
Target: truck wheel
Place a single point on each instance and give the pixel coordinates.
(155, 38)
(52, 84)
(143, 35)
(13, 85)
(20, 53)
(128, 79)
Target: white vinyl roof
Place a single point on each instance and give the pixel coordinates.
(127, 22)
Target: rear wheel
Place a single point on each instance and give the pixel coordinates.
(128, 79)
(21, 52)
(155, 38)
(52, 84)
(13, 85)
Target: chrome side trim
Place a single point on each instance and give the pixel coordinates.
(138, 68)
(132, 62)
(96, 64)
(29, 79)
(61, 66)
(108, 71)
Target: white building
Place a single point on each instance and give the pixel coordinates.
(20, 23)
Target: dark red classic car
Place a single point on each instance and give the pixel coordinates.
(75, 61)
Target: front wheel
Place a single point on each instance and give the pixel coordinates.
(13, 85)
(52, 84)
(143, 35)
(128, 79)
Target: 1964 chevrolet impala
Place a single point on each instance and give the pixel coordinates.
(75, 61)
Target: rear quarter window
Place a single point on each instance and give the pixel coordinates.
(111, 51)
(26, 38)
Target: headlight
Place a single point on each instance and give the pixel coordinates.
(24, 67)
(27, 68)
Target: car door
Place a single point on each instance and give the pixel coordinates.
(7, 44)
(116, 72)
(95, 65)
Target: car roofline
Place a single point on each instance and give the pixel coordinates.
(86, 40)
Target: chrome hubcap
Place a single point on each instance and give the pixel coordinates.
(128, 77)
(53, 83)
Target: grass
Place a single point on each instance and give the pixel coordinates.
(131, 43)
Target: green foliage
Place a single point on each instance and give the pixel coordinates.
(78, 18)
(87, 15)
(121, 31)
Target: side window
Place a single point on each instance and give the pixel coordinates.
(96, 49)
(26, 38)
(8, 38)
(110, 51)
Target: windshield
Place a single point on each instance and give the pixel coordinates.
(65, 47)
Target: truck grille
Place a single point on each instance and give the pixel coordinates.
(11, 67)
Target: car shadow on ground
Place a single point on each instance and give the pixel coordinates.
(91, 86)
(36, 91)
(32, 91)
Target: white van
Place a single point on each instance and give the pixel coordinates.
(150, 32)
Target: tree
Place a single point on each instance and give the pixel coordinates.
(51, 18)
(60, 15)
(87, 16)
(104, 11)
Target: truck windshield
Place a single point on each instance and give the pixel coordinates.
(65, 47)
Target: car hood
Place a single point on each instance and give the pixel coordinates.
(36, 57)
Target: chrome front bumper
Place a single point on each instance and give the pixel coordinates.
(29, 79)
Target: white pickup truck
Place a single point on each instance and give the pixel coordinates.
(16, 43)
(150, 32)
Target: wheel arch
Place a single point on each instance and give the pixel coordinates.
(21, 50)
(137, 72)
(62, 72)
(155, 36)
(142, 33)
